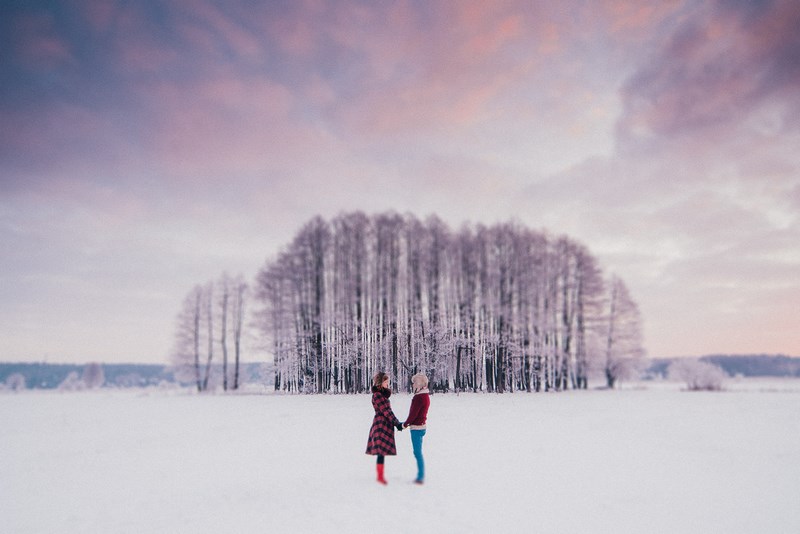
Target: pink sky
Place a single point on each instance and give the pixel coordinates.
(148, 147)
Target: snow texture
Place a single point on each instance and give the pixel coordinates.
(637, 460)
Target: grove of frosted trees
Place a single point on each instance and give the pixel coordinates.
(497, 309)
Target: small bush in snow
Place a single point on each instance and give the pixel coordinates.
(72, 383)
(698, 375)
(15, 382)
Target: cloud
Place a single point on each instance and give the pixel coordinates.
(61, 138)
(171, 142)
(721, 64)
(443, 66)
(634, 19)
(37, 42)
(697, 205)
(99, 14)
(348, 71)
(225, 124)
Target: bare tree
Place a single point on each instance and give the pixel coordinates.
(623, 350)
(210, 322)
(93, 375)
(237, 319)
(186, 353)
(15, 382)
(208, 308)
(589, 307)
(224, 290)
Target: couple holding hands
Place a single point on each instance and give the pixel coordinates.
(381, 434)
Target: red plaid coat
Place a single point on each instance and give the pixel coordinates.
(381, 435)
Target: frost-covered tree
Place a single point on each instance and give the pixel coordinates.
(223, 307)
(208, 316)
(212, 315)
(698, 375)
(623, 335)
(238, 307)
(72, 382)
(188, 334)
(230, 309)
(93, 375)
(588, 291)
(15, 382)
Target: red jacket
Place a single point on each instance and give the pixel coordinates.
(418, 413)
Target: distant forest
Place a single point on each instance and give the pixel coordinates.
(50, 376)
(752, 365)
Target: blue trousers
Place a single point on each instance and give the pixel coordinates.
(416, 442)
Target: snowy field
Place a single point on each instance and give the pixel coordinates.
(643, 459)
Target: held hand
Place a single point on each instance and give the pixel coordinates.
(405, 425)
(399, 427)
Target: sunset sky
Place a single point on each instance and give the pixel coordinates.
(147, 146)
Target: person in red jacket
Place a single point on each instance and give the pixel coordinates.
(381, 434)
(417, 418)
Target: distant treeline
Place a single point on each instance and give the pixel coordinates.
(51, 376)
(751, 365)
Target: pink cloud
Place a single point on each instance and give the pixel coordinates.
(486, 38)
(99, 13)
(142, 55)
(62, 138)
(294, 36)
(718, 66)
(635, 19)
(199, 39)
(228, 124)
(550, 38)
(234, 33)
(445, 67)
(38, 43)
(416, 68)
(319, 92)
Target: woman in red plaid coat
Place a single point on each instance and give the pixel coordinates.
(381, 435)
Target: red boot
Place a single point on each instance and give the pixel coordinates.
(380, 474)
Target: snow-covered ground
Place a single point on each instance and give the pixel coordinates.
(647, 458)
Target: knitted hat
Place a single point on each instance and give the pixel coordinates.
(419, 381)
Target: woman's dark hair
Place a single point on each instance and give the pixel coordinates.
(379, 378)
